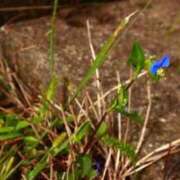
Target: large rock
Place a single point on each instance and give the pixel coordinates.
(24, 45)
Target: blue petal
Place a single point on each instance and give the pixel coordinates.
(162, 63)
(158, 63)
(154, 68)
(165, 61)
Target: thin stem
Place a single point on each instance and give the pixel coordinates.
(108, 160)
(97, 80)
(92, 139)
(141, 140)
(52, 34)
(119, 135)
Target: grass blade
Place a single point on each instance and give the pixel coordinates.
(101, 56)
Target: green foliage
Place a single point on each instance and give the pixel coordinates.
(102, 130)
(136, 57)
(51, 38)
(82, 131)
(119, 105)
(30, 141)
(49, 95)
(12, 127)
(58, 145)
(134, 116)
(51, 89)
(101, 56)
(85, 169)
(38, 168)
(115, 143)
(6, 168)
(44, 135)
(7, 136)
(120, 102)
(22, 125)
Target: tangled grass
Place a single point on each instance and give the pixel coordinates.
(85, 137)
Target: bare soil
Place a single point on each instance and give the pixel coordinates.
(24, 45)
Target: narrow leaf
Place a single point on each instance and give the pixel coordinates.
(38, 168)
(8, 136)
(82, 131)
(102, 130)
(102, 55)
(134, 116)
(22, 125)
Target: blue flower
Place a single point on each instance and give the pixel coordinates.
(164, 62)
(98, 167)
(98, 164)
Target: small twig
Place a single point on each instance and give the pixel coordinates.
(119, 134)
(108, 160)
(141, 139)
(23, 92)
(97, 79)
(115, 88)
(82, 111)
(154, 156)
(142, 136)
(68, 130)
(125, 160)
(167, 160)
(13, 95)
(129, 88)
(92, 105)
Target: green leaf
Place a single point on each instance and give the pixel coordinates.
(8, 136)
(49, 95)
(10, 119)
(38, 168)
(134, 116)
(102, 130)
(125, 148)
(136, 57)
(61, 148)
(121, 101)
(84, 167)
(82, 131)
(6, 168)
(85, 163)
(30, 140)
(9, 164)
(22, 125)
(41, 113)
(52, 87)
(8, 129)
(59, 144)
(59, 139)
(92, 174)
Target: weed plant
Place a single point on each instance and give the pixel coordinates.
(85, 137)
